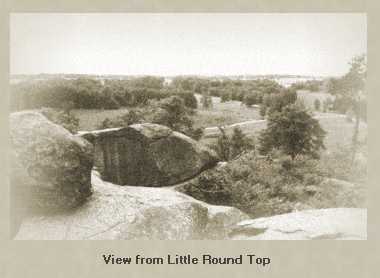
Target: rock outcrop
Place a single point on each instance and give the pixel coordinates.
(50, 167)
(147, 155)
(128, 212)
(336, 223)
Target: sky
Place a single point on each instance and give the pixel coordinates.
(186, 43)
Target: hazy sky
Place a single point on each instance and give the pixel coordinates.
(172, 44)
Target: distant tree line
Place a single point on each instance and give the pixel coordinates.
(85, 93)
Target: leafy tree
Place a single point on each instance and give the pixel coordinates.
(133, 116)
(327, 104)
(263, 110)
(278, 101)
(173, 113)
(294, 132)
(317, 104)
(189, 99)
(251, 99)
(222, 146)
(350, 90)
(230, 147)
(206, 101)
(240, 143)
(225, 97)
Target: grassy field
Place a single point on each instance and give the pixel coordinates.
(308, 98)
(223, 113)
(219, 114)
(89, 119)
(339, 129)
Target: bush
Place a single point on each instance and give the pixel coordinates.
(258, 186)
(230, 147)
(264, 187)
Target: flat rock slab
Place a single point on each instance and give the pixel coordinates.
(335, 223)
(127, 212)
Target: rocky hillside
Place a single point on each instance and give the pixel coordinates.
(56, 193)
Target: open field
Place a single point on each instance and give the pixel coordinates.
(230, 114)
(339, 130)
(224, 113)
(308, 98)
(219, 114)
(89, 119)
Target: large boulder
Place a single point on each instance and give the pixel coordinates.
(147, 155)
(50, 167)
(129, 212)
(335, 223)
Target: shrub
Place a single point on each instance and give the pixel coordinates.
(262, 187)
(230, 147)
(258, 186)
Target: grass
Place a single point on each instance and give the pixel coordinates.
(89, 119)
(339, 132)
(219, 114)
(223, 113)
(339, 129)
(308, 98)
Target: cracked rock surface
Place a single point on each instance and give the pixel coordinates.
(127, 212)
(335, 223)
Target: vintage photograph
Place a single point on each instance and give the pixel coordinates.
(182, 126)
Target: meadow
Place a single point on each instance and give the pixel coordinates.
(339, 129)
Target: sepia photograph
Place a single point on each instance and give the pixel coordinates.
(188, 126)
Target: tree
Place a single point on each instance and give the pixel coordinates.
(317, 104)
(206, 101)
(173, 113)
(222, 147)
(239, 143)
(263, 110)
(349, 90)
(230, 147)
(189, 99)
(133, 116)
(294, 132)
(225, 97)
(251, 99)
(327, 104)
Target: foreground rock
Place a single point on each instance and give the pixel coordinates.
(126, 212)
(148, 155)
(49, 165)
(336, 223)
